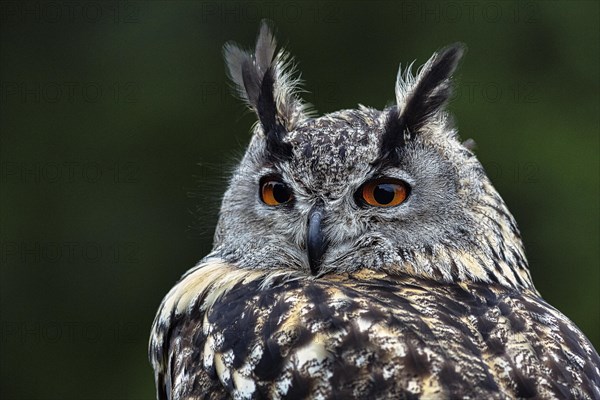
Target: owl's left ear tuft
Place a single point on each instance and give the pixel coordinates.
(265, 81)
(422, 97)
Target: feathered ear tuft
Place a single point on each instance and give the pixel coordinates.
(264, 81)
(420, 99)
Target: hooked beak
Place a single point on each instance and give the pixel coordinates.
(315, 239)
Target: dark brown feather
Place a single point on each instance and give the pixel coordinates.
(351, 335)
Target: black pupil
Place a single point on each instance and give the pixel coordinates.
(384, 193)
(281, 193)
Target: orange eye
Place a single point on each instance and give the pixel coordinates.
(274, 192)
(383, 192)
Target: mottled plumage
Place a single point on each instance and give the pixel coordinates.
(316, 292)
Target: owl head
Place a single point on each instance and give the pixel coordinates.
(388, 189)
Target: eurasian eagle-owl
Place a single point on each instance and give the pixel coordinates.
(362, 254)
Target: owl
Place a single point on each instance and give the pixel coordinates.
(362, 254)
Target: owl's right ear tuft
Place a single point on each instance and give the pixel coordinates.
(265, 81)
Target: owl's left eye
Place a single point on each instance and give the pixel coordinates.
(383, 192)
(274, 192)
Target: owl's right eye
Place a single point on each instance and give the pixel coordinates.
(274, 192)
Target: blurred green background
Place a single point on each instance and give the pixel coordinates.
(118, 130)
